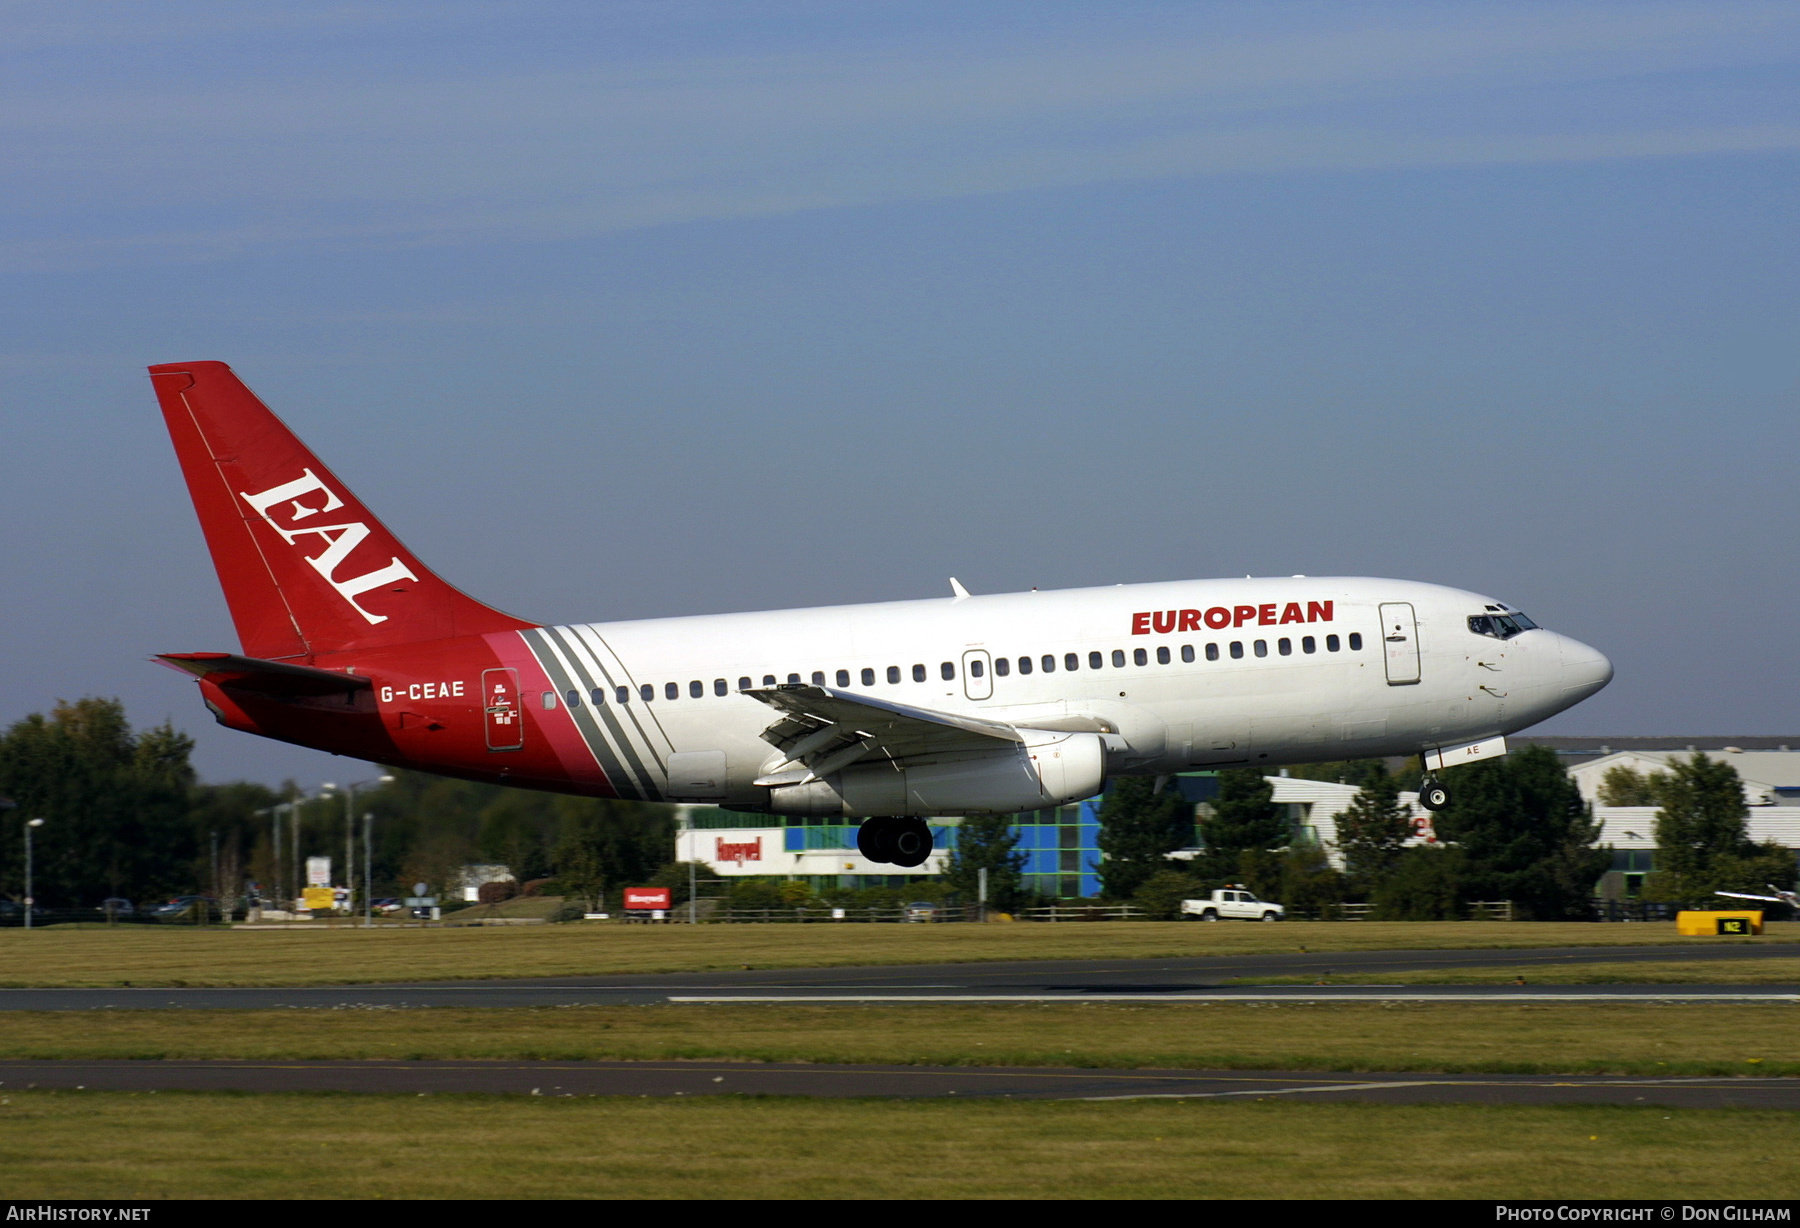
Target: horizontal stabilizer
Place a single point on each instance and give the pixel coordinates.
(265, 677)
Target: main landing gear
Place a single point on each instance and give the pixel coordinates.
(1432, 794)
(898, 842)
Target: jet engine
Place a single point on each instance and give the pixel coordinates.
(1047, 769)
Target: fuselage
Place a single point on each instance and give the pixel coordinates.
(1188, 674)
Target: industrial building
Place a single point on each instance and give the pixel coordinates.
(1771, 797)
(1061, 845)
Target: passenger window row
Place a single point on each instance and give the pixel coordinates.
(697, 689)
(1003, 667)
(1071, 661)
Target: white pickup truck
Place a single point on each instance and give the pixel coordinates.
(1235, 903)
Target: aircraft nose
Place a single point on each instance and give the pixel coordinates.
(1584, 670)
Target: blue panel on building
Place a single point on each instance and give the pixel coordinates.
(1062, 845)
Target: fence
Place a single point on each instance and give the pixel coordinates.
(1634, 910)
(1479, 910)
(1084, 912)
(802, 916)
(14, 915)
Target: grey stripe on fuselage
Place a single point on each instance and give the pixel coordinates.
(566, 675)
(639, 751)
(587, 646)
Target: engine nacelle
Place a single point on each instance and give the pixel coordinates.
(1048, 769)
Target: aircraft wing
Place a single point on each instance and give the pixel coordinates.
(822, 730)
(1739, 895)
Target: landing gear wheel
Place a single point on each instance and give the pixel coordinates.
(1432, 794)
(875, 840)
(911, 842)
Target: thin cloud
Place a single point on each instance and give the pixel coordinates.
(197, 172)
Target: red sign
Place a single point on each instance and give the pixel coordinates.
(647, 897)
(749, 850)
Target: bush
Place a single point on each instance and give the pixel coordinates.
(769, 893)
(1161, 894)
(568, 912)
(1309, 886)
(495, 893)
(1426, 884)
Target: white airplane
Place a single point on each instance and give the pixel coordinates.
(886, 713)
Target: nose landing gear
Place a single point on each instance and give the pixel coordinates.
(899, 841)
(1432, 793)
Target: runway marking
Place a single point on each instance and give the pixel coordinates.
(1621, 1084)
(1245, 997)
(1285, 1091)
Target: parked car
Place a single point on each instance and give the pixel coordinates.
(117, 906)
(1233, 902)
(12, 912)
(184, 908)
(921, 910)
(387, 904)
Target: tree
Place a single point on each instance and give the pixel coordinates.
(1527, 834)
(1426, 884)
(1702, 836)
(1161, 894)
(579, 871)
(987, 842)
(1244, 817)
(1623, 785)
(676, 876)
(115, 803)
(1139, 828)
(1309, 886)
(1373, 830)
(609, 843)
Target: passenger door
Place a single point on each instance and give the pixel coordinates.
(501, 717)
(978, 674)
(1400, 642)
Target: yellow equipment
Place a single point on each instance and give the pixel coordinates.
(1706, 924)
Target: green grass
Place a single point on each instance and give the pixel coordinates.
(211, 1145)
(1627, 1038)
(178, 955)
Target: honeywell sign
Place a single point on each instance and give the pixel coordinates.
(647, 898)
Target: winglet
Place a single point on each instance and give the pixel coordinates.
(957, 588)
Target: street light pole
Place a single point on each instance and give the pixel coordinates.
(350, 835)
(278, 883)
(368, 862)
(30, 824)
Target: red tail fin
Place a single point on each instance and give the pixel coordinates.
(306, 569)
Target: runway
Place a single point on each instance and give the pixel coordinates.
(671, 1079)
(1200, 978)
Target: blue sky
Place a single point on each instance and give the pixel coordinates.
(618, 310)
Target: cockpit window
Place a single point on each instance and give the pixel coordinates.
(1501, 626)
